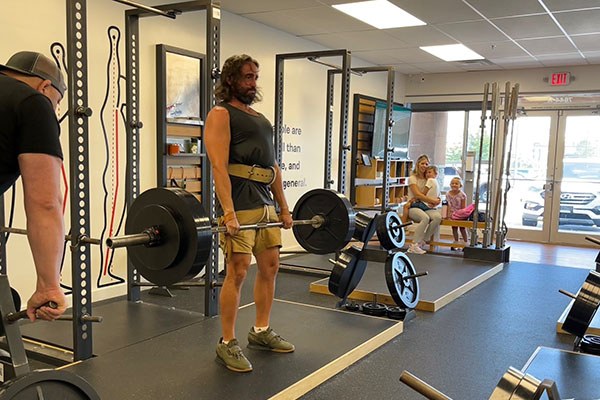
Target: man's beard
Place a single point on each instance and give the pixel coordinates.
(244, 96)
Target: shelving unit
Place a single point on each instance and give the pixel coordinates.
(179, 134)
(367, 172)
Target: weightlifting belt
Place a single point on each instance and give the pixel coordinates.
(253, 173)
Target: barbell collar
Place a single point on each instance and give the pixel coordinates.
(79, 239)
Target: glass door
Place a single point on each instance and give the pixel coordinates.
(555, 177)
(530, 179)
(576, 186)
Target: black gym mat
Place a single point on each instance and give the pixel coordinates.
(124, 323)
(577, 376)
(449, 278)
(181, 364)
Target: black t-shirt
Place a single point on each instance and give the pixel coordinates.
(251, 144)
(28, 124)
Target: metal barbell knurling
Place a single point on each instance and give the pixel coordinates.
(76, 239)
(151, 236)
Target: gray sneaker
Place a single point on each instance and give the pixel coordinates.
(231, 356)
(268, 340)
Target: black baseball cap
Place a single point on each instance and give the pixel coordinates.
(37, 64)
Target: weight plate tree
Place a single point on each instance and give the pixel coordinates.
(338, 213)
(401, 280)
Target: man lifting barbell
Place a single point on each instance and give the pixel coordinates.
(31, 86)
(239, 144)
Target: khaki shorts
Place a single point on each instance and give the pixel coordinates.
(252, 241)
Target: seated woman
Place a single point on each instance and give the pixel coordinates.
(427, 222)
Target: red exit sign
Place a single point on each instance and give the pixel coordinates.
(560, 78)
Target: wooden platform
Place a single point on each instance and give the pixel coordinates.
(594, 328)
(449, 278)
(576, 375)
(181, 364)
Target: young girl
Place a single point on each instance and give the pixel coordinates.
(457, 199)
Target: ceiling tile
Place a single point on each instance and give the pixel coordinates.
(555, 45)
(587, 42)
(438, 11)
(560, 60)
(528, 27)
(379, 57)
(497, 49)
(437, 67)
(426, 35)
(556, 5)
(365, 40)
(517, 62)
(592, 56)
(472, 32)
(413, 55)
(506, 8)
(575, 22)
(254, 6)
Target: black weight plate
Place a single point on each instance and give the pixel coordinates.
(405, 292)
(195, 235)
(376, 309)
(364, 227)
(347, 272)
(352, 306)
(590, 344)
(390, 231)
(584, 307)
(336, 231)
(48, 384)
(396, 312)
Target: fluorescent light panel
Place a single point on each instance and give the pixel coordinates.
(379, 13)
(452, 52)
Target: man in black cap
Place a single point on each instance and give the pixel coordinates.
(31, 87)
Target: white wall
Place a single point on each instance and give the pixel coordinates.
(468, 86)
(304, 104)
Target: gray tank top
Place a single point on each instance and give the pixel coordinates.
(251, 144)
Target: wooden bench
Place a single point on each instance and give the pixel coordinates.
(450, 222)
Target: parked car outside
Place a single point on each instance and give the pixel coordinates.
(579, 197)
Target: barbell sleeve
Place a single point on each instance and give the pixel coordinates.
(78, 239)
(151, 236)
(568, 294)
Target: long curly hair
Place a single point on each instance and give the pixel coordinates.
(231, 74)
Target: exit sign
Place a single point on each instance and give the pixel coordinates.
(560, 78)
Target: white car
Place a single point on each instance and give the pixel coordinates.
(579, 197)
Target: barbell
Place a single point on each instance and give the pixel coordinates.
(168, 234)
(76, 240)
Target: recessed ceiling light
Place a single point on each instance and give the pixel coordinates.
(379, 13)
(452, 52)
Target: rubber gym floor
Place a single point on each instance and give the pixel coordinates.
(164, 347)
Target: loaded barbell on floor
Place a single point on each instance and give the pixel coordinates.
(168, 234)
(582, 312)
(514, 385)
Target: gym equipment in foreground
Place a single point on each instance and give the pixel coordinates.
(19, 382)
(582, 313)
(169, 235)
(514, 385)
